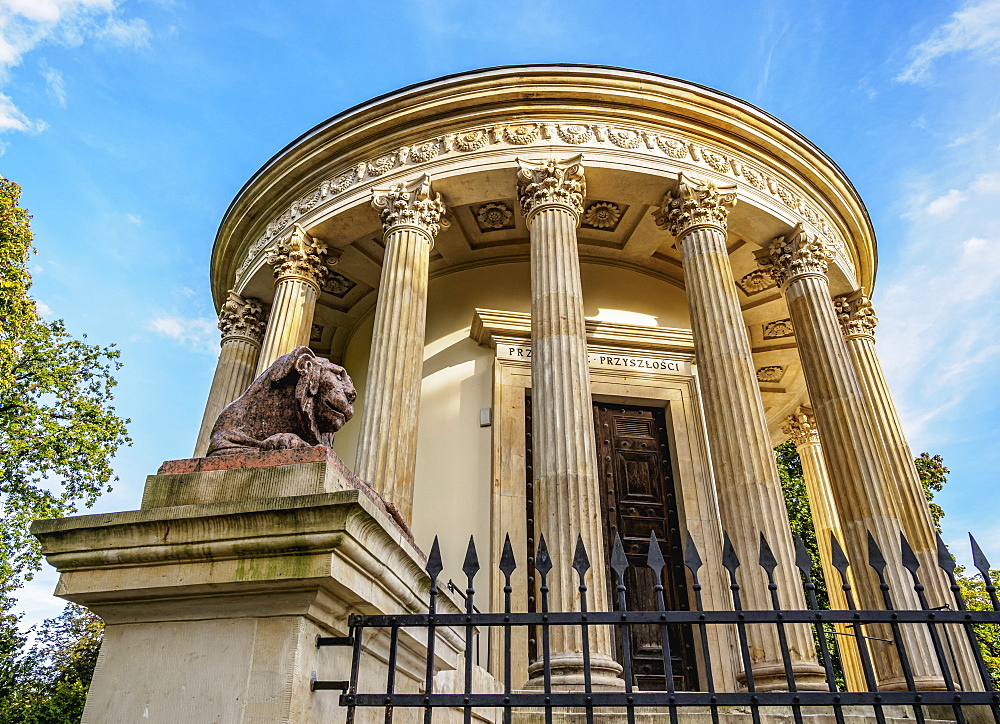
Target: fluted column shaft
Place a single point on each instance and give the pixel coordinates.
(854, 462)
(751, 502)
(300, 267)
(564, 452)
(387, 449)
(242, 325)
(858, 321)
(802, 428)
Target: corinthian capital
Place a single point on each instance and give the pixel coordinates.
(796, 254)
(300, 255)
(540, 183)
(411, 203)
(241, 317)
(856, 315)
(697, 203)
(801, 427)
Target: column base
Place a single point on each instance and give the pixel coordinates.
(809, 676)
(567, 673)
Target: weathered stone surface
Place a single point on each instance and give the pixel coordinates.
(299, 401)
(250, 459)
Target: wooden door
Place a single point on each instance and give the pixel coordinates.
(639, 497)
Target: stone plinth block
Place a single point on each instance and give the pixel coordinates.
(258, 475)
(213, 610)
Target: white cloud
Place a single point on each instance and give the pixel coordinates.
(43, 309)
(26, 24)
(973, 29)
(133, 219)
(57, 86)
(12, 119)
(198, 333)
(986, 183)
(132, 33)
(947, 204)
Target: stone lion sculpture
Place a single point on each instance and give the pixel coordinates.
(301, 400)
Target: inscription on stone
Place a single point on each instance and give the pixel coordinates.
(607, 360)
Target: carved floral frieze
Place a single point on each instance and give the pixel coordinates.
(493, 216)
(771, 373)
(602, 215)
(801, 427)
(750, 171)
(856, 315)
(756, 281)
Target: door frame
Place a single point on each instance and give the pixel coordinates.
(638, 381)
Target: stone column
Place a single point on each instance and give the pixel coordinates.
(857, 322)
(801, 428)
(387, 451)
(567, 485)
(242, 324)
(751, 502)
(300, 266)
(799, 262)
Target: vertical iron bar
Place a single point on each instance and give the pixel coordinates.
(581, 563)
(769, 563)
(841, 563)
(804, 562)
(693, 563)
(947, 564)
(619, 563)
(433, 568)
(731, 562)
(390, 684)
(654, 561)
(877, 561)
(352, 688)
(470, 568)
(543, 564)
(507, 567)
(911, 564)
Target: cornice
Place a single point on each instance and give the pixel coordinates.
(638, 103)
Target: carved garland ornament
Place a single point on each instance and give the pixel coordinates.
(524, 134)
(696, 203)
(551, 182)
(856, 315)
(796, 254)
(241, 317)
(412, 204)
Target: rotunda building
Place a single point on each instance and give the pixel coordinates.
(580, 302)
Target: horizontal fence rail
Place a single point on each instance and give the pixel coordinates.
(955, 621)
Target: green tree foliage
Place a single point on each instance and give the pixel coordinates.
(58, 433)
(48, 683)
(933, 475)
(58, 429)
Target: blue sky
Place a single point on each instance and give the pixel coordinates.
(131, 124)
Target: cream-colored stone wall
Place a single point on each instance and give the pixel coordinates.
(453, 490)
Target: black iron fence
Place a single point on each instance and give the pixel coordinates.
(942, 625)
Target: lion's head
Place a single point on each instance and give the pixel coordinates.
(325, 394)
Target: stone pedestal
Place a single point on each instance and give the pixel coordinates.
(213, 608)
(567, 489)
(300, 268)
(751, 502)
(387, 449)
(854, 460)
(242, 324)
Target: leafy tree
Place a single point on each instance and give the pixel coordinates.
(933, 475)
(58, 429)
(58, 433)
(48, 683)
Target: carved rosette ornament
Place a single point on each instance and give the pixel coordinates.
(551, 182)
(856, 315)
(801, 427)
(696, 204)
(796, 254)
(300, 256)
(241, 317)
(411, 203)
